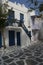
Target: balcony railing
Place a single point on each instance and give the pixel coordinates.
(12, 22)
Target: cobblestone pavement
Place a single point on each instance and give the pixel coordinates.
(32, 55)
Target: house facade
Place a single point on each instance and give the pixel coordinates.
(36, 25)
(18, 30)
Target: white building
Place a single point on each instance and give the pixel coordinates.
(36, 25)
(17, 33)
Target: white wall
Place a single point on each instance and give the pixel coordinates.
(25, 41)
(19, 9)
(37, 25)
(41, 30)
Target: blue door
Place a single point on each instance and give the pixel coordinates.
(11, 38)
(18, 39)
(0, 40)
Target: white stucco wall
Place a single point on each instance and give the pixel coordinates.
(37, 25)
(41, 30)
(25, 41)
(7, 34)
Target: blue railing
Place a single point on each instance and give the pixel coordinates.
(26, 30)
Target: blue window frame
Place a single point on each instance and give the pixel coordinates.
(21, 17)
(11, 14)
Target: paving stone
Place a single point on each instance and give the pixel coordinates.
(5, 57)
(37, 53)
(9, 60)
(20, 54)
(41, 63)
(27, 50)
(16, 59)
(4, 64)
(41, 56)
(31, 57)
(38, 49)
(28, 54)
(0, 59)
(12, 63)
(31, 62)
(39, 59)
(15, 53)
(32, 47)
(11, 55)
(0, 62)
(23, 57)
(21, 62)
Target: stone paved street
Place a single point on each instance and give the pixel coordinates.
(32, 55)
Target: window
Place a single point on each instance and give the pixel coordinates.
(11, 14)
(33, 19)
(21, 17)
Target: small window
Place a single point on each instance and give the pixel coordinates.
(33, 19)
(21, 17)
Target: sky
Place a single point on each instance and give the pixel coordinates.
(23, 2)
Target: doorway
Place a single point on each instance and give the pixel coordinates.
(11, 38)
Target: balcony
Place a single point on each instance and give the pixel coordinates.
(14, 22)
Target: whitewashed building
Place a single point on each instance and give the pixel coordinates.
(18, 30)
(36, 25)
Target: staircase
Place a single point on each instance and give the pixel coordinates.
(26, 30)
(20, 24)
